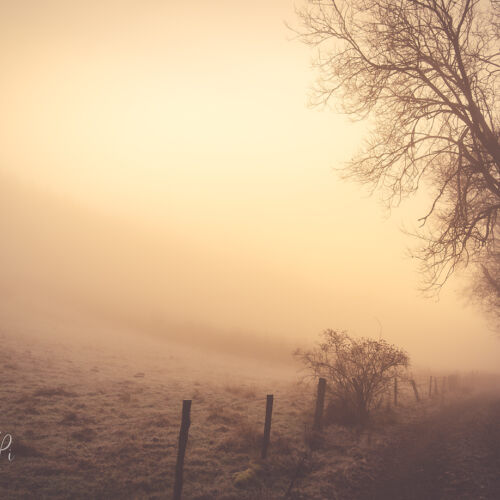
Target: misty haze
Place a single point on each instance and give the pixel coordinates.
(249, 250)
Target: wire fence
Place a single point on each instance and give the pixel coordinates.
(405, 391)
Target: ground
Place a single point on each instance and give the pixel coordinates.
(452, 454)
(99, 418)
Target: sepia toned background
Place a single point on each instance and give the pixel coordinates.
(160, 171)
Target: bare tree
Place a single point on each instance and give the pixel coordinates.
(359, 371)
(485, 289)
(427, 73)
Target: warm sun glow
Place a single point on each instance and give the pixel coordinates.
(184, 132)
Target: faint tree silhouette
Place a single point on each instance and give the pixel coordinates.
(358, 371)
(486, 285)
(427, 72)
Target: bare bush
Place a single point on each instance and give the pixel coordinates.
(358, 371)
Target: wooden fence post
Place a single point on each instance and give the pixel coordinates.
(267, 425)
(320, 403)
(415, 391)
(430, 386)
(436, 392)
(183, 438)
(395, 391)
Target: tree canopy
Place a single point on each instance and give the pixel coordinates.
(426, 72)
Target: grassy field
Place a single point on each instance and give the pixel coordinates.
(100, 419)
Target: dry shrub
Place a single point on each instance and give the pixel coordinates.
(358, 373)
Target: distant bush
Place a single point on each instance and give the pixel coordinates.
(358, 372)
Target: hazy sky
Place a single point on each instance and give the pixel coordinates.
(184, 127)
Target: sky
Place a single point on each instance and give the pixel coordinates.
(159, 158)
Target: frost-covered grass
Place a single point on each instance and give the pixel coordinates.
(100, 419)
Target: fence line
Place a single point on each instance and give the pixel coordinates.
(450, 382)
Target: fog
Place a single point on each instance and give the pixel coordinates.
(162, 174)
(60, 260)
